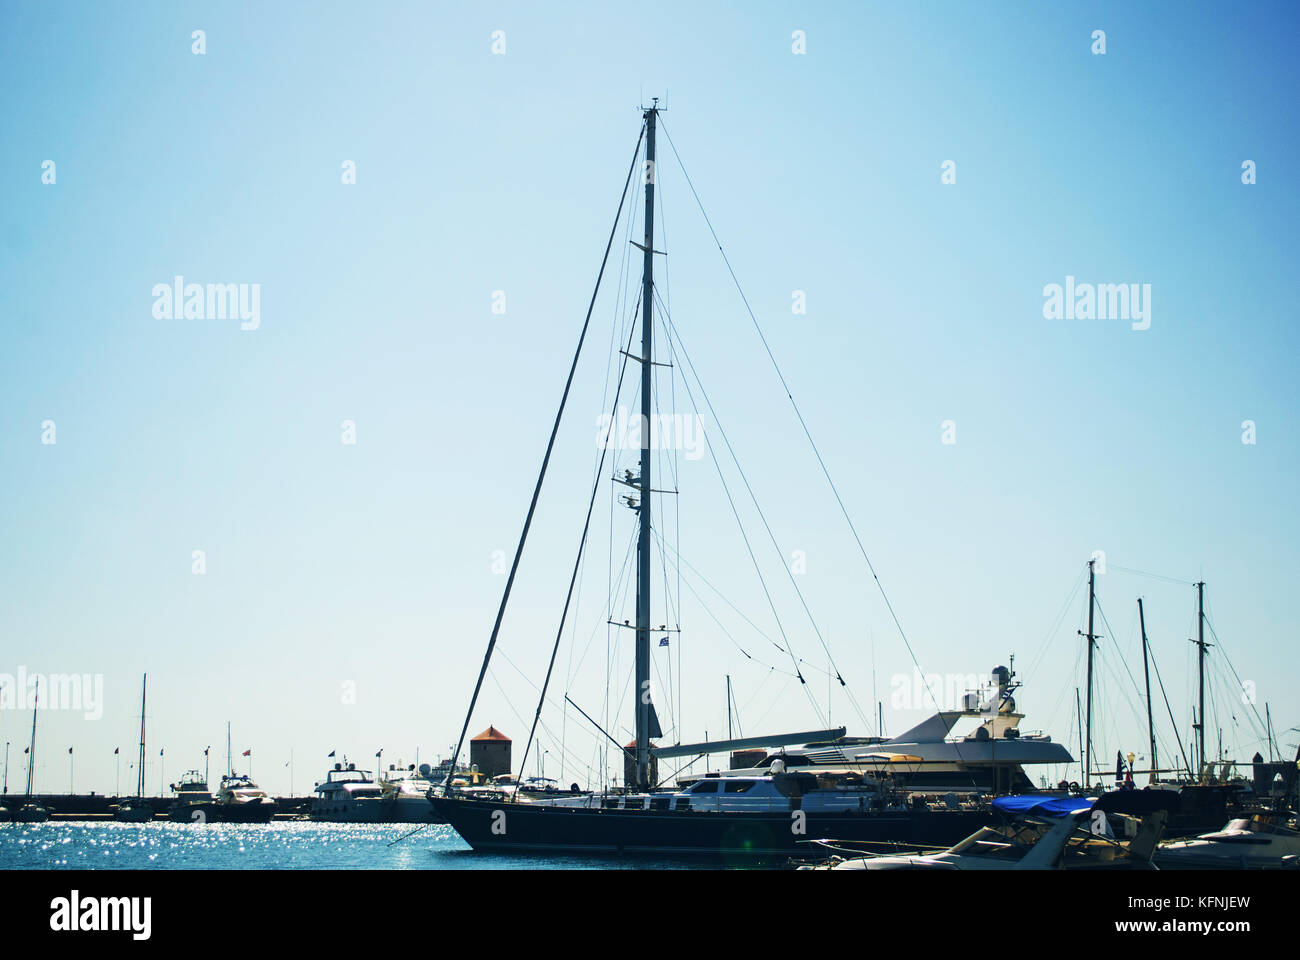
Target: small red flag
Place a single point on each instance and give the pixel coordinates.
(248, 753)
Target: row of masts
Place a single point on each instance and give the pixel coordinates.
(1198, 725)
(140, 765)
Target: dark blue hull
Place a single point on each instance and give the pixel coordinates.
(500, 827)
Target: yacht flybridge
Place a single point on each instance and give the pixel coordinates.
(991, 758)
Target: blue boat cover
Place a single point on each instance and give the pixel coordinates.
(1043, 805)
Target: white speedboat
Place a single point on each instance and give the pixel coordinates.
(1262, 842)
(240, 800)
(1119, 830)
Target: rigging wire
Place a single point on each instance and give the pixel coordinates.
(740, 613)
(725, 632)
(807, 433)
(1170, 710)
(766, 526)
(745, 537)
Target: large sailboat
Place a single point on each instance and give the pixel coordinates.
(772, 811)
(32, 810)
(137, 809)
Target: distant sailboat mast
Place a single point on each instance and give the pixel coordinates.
(31, 749)
(139, 786)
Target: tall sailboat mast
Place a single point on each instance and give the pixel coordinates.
(139, 788)
(643, 513)
(1146, 674)
(1200, 675)
(1092, 643)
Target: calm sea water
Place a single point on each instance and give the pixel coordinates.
(287, 845)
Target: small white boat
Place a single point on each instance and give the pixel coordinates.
(1262, 842)
(1118, 830)
(240, 800)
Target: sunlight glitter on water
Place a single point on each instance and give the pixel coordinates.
(282, 845)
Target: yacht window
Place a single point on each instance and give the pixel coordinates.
(705, 786)
(740, 786)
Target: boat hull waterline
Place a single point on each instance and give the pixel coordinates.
(503, 827)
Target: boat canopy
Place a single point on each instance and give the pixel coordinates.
(1131, 802)
(1043, 805)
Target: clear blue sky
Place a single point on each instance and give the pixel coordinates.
(371, 564)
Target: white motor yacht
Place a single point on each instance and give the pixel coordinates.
(348, 795)
(405, 792)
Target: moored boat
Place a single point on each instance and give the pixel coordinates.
(31, 810)
(777, 815)
(137, 809)
(755, 812)
(240, 800)
(1261, 842)
(348, 795)
(192, 801)
(406, 793)
(1118, 830)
